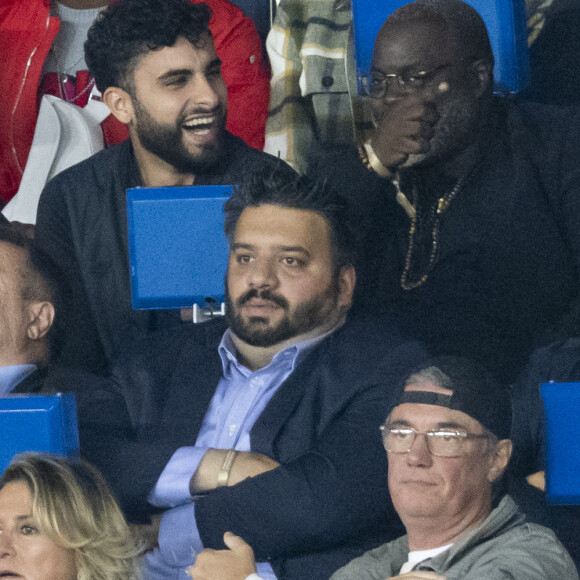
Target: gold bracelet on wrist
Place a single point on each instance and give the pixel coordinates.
(224, 473)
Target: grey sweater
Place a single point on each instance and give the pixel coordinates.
(503, 547)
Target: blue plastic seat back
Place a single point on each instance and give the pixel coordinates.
(562, 408)
(38, 423)
(178, 251)
(506, 25)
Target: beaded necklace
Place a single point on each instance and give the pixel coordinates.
(436, 211)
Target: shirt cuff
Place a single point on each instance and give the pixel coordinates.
(263, 572)
(172, 487)
(179, 541)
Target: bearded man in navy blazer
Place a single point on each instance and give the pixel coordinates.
(263, 424)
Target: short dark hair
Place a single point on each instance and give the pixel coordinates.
(128, 29)
(463, 23)
(300, 193)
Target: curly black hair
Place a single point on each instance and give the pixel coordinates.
(128, 29)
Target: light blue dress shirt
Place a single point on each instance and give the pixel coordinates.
(11, 375)
(238, 401)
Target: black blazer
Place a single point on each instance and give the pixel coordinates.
(33, 383)
(326, 502)
(82, 228)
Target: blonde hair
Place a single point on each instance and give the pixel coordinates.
(73, 506)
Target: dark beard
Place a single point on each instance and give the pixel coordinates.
(255, 332)
(165, 141)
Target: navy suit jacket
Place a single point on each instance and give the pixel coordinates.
(33, 383)
(328, 500)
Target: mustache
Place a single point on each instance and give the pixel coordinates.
(201, 111)
(263, 295)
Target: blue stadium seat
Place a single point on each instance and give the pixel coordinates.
(178, 251)
(505, 21)
(38, 423)
(562, 408)
(260, 11)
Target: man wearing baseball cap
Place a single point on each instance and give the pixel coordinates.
(447, 442)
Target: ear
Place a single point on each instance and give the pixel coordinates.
(346, 284)
(499, 458)
(40, 319)
(120, 103)
(483, 75)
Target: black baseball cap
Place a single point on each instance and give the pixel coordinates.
(476, 392)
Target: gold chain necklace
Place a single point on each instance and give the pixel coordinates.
(436, 213)
(437, 210)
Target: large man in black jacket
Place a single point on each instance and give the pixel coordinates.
(468, 202)
(267, 425)
(155, 63)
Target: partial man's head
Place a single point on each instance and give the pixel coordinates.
(292, 256)
(447, 442)
(156, 65)
(438, 51)
(26, 302)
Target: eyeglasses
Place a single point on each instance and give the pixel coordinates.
(440, 442)
(376, 85)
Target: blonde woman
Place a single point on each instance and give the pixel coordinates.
(59, 521)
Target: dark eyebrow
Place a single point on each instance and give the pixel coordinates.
(216, 62)
(399, 423)
(410, 67)
(175, 73)
(300, 249)
(238, 246)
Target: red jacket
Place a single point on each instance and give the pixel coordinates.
(26, 35)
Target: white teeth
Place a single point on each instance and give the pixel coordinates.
(199, 121)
